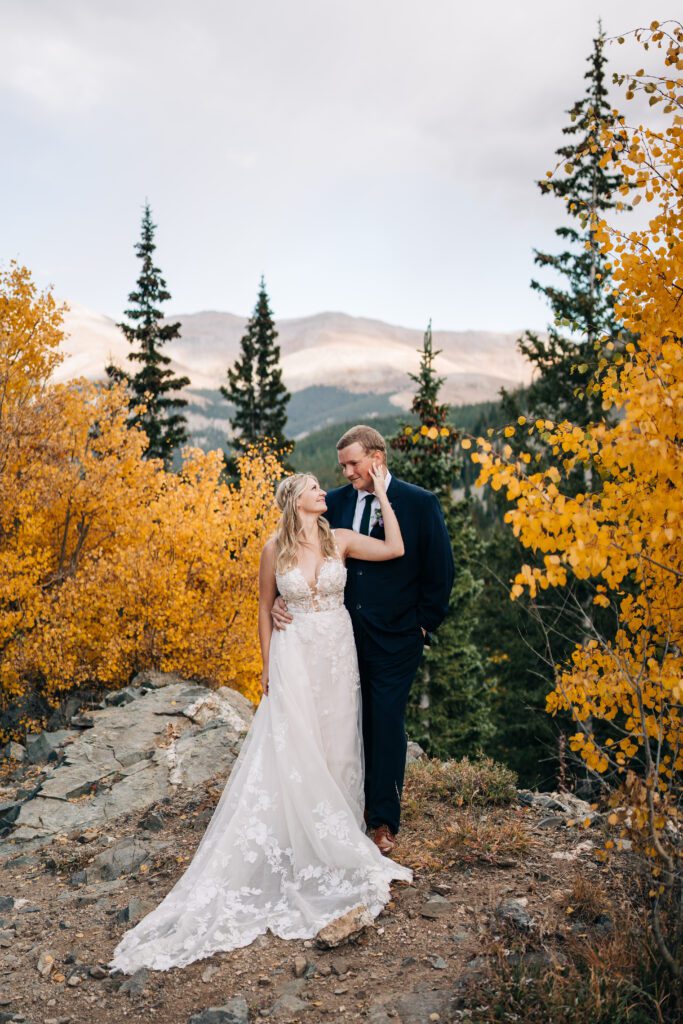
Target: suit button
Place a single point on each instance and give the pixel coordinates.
(360, 572)
(357, 607)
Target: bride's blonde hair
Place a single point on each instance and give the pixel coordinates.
(288, 530)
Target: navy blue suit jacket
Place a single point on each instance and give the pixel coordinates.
(393, 599)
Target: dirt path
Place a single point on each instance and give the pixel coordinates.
(408, 968)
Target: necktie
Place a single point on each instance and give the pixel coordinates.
(365, 518)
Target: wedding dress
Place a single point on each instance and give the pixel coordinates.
(285, 849)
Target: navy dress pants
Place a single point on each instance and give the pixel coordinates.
(385, 679)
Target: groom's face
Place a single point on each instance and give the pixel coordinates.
(355, 464)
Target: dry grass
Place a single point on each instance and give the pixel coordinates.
(461, 804)
(464, 783)
(607, 974)
(496, 838)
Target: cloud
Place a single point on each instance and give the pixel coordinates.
(321, 142)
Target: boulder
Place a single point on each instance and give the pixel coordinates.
(345, 928)
(122, 858)
(13, 751)
(514, 912)
(134, 985)
(414, 752)
(169, 734)
(44, 746)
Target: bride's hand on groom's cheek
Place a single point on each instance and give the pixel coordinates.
(279, 614)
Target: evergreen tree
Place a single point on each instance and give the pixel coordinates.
(154, 384)
(255, 385)
(448, 711)
(529, 639)
(567, 362)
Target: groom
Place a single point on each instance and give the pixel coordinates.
(394, 606)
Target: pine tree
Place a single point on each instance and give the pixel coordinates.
(583, 337)
(255, 385)
(448, 711)
(154, 384)
(567, 362)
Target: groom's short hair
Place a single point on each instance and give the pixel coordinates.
(368, 438)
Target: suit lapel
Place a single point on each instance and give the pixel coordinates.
(393, 494)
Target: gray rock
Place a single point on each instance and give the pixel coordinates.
(153, 821)
(134, 985)
(13, 751)
(134, 911)
(44, 746)
(534, 960)
(9, 812)
(134, 755)
(438, 963)
(118, 697)
(556, 803)
(514, 912)
(122, 859)
(6, 903)
(46, 962)
(553, 821)
(82, 720)
(286, 1006)
(414, 752)
(436, 907)
(235, 1011)
(339, 967)
(416, 1007)
(345, 928)
(153, 680)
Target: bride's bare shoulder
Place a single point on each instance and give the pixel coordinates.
(268, 550)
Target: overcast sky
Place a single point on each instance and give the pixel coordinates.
(376, 157)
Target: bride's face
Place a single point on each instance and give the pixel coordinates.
(312, 498)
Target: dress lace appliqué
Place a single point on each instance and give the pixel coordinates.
(285, 849)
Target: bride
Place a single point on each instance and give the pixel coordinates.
(286, 848)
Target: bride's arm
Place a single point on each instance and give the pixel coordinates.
(267, 590)
(370, 549)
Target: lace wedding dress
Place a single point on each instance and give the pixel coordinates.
(286, 848)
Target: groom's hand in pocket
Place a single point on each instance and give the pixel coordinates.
(279, 614)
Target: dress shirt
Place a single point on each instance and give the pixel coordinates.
(374, 504)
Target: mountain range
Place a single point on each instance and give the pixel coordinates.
(336, 366)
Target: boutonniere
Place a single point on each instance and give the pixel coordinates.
(378, 520)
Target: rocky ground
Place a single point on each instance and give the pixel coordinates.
(517, 880)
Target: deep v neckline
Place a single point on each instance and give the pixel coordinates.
(314, 587)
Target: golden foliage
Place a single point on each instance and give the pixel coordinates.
(626, 534)
(108, 563)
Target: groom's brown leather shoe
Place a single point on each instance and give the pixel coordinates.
(384, 839)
